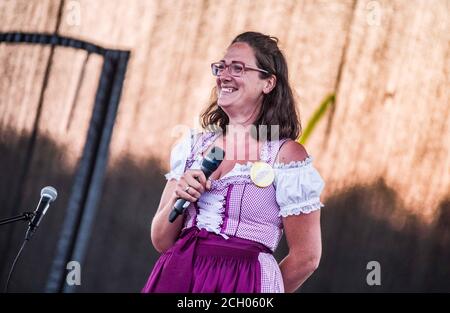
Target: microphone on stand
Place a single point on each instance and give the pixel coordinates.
(209, 164)
(48, 195)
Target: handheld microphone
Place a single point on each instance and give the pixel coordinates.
(48, 195)
(209, 164)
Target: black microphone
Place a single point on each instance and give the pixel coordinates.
(48, 195)
(209, 164)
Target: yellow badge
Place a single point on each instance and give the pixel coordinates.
(262, 174)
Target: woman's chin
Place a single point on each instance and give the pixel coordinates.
(224, 103)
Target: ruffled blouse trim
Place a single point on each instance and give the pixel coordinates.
(172, 175)
(225, 181)
(211, 213)
(294, 164)
(301, 208)
(244, 169)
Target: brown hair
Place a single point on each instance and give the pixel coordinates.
(278, 106)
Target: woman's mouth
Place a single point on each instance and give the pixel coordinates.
(227, 91)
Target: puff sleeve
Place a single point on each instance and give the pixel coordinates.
(178, 157)
(298, 187)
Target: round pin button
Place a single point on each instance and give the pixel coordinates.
(262, 174)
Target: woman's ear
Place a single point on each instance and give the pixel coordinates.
(270, 84)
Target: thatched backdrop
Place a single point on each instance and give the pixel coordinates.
(382, 147)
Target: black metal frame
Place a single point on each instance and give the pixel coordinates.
(86, 190)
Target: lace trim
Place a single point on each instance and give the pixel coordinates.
(241, 172)
(199, 146)
(265, 153)
(194, 163)
(239, 169)
(294, 164)
(172, 175)
(211, 213)
(225, 181)
(206, 142)
(244, 169)
(301, 208)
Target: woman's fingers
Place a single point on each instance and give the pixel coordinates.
(196, 187)
(200, 176)
(185, 195)
(197, 180)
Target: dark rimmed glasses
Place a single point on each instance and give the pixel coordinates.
(235, 68)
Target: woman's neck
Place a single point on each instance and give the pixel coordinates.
(243, 119)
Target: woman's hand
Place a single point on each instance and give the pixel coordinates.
(191, 185)
(163, 233)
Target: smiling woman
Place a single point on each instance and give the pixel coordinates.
(225, 240)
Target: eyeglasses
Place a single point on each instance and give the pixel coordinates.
(235, 68)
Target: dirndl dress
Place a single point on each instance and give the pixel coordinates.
(229, 235)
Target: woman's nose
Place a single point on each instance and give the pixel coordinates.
(225, 76)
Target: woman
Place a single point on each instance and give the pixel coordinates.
(225, 239)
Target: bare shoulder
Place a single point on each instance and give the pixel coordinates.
(291, 151)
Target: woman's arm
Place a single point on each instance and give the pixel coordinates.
(305, 248)
(303, 234)
(163, 233)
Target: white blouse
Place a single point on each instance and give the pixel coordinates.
(179, 155)
(298, 184)
(298, 187)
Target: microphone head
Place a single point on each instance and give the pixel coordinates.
(49, 192)
(212, 161)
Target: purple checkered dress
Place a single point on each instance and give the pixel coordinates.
(230, 233)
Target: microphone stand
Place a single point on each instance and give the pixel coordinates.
(26, 216)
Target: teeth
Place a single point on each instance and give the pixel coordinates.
(228, 89)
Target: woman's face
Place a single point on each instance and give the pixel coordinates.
(242, 93)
